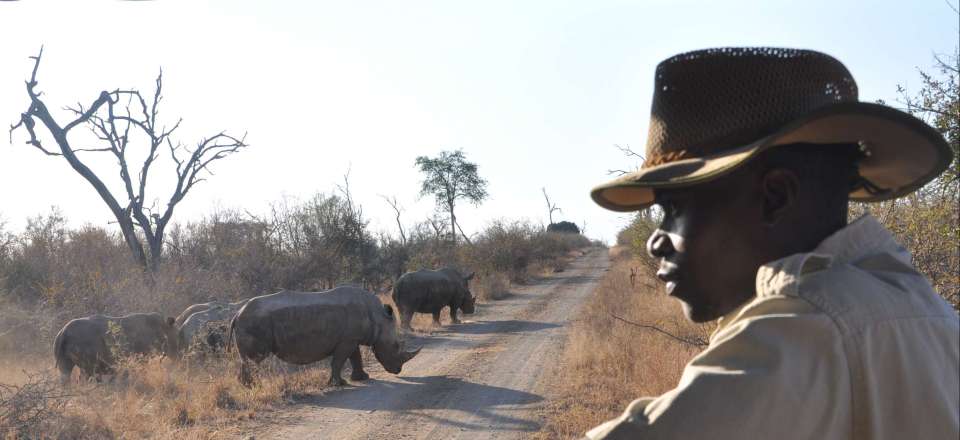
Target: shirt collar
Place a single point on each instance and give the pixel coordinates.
(861, 238)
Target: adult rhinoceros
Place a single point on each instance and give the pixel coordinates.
(216, 315)
(429, 291)
(90, 343)
(305, 327)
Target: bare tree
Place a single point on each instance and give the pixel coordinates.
(550, 206)
(397, 209)
(111, 118)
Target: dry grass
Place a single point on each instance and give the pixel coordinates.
(608, 363)
(491, 287)
(154, 398)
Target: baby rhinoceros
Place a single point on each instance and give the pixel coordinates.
(91, 343)
(305, 327)
(202, 329)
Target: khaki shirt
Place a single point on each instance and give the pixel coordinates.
(846, 342)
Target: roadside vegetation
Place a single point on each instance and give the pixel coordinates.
(51, 273)
(610, 358)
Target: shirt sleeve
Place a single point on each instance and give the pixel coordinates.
(778, 370)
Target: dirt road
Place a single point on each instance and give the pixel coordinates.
(480, 379)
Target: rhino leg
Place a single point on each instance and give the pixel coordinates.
(436, 318)
(245, 376)
(453, 315)
(340, 355)
(356, 363)
(406, 316)
(65, 366)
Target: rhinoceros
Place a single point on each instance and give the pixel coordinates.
(217, 313)
(305, 327)
(429, 291)
(91, 342)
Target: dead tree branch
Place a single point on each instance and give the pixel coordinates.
(550, 206)
(695, 341)
(113, 118)
(627, 151)
(463, 234)
(397, 209)
(23, 408)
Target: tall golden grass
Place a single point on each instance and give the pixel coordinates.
(154, 398)
(607, 363)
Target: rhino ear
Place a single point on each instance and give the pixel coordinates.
(170, 321)
(388, 310)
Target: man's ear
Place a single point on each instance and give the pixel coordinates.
(779, 188)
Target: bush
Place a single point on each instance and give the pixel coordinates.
(27, 409)
(564, 227)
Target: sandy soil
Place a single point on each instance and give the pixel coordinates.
(484, 378)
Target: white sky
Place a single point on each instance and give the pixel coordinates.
(536, 93)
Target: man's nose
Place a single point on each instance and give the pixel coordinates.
(659, 244)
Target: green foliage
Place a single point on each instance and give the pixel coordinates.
(928, 226)
(634, 235)
(928, 221)
(450, 177)
(116, 340)
(938, 103)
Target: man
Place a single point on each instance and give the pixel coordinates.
(826, 331)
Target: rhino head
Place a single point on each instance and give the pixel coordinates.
(388, 348)
(171, 346)
(468, 306)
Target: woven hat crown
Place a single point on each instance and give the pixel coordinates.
(713, 100)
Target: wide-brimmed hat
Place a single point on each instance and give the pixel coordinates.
(715, 109)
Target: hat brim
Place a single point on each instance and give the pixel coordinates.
(904, 153)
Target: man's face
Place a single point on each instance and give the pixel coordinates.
(710, 244)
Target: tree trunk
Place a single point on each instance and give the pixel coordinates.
(453, 224)
(156, 248)
(130, 236)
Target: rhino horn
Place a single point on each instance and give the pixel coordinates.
(410, 354)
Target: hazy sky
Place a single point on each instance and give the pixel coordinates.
(536, 93)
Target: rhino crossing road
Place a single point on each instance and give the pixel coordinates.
(485, 378)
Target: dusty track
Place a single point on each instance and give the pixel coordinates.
(480, 379)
